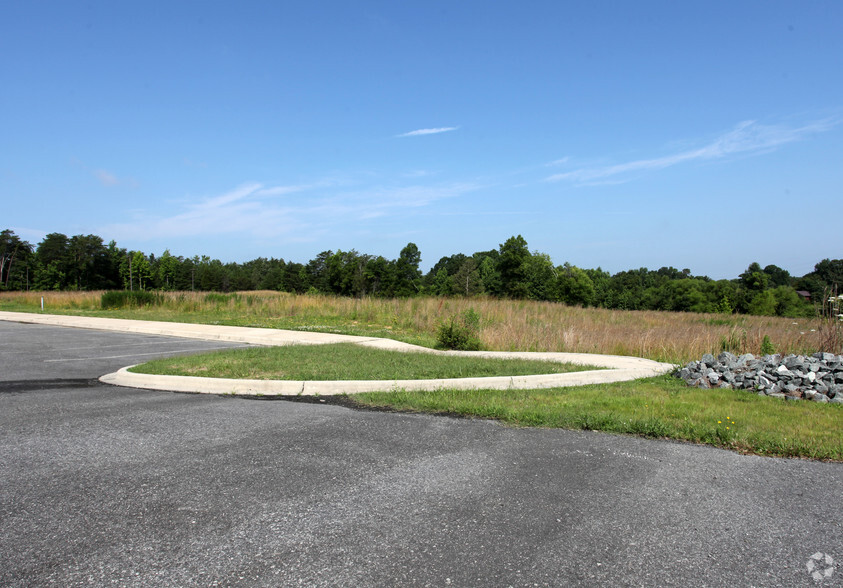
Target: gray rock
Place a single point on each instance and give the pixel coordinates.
(818, 377)
(726, 358)
(745, 359)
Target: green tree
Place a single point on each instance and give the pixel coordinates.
(574, 286)
(490, 277)
(88, 263)
(788, 303)
(466, 282)
(830, 272)
(763, 304)
(407, 273)
(379, 276)
(442, 284)
(316, 272)
(167, 270)
(52, 262)
(15, 258)
(135, 270)
(754, 279)
(602, 282)
(540, 276)
(778, 276)
(512, 266)
(292, 278)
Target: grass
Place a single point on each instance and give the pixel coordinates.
(344, 361)
(506, 325)
(658, 407)
(661, 407)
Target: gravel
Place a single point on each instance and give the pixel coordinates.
(818, 377)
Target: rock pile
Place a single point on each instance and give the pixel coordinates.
(818, 377)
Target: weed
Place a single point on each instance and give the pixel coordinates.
(767, 347)
(734, 341)
(461, 333)
(129, 299)
(830, 328)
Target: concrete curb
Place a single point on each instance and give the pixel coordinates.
(618, 368)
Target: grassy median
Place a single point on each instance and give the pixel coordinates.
(344, 361)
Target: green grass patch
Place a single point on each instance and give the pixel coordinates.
(661, 407)
(344, 361)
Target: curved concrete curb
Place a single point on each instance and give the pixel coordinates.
(618, 368)
(616, 373)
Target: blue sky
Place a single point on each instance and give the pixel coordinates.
(701, 135)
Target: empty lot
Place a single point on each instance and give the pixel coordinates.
(103, 485)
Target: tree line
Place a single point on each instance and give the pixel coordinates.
(85, 262)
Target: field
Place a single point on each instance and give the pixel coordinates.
(506, 325)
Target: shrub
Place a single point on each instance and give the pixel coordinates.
(129, 299)
(767, 347)
(461, 333)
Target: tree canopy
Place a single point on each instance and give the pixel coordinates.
(84, 262)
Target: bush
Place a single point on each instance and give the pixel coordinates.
(129, 299)
(461, 333)
(767, 347)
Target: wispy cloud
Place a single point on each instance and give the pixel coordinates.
(106, 178)
(246, 210)
(427, 131)
(110, 180)
(748, 137)
(561, 161)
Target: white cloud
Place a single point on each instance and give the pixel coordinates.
(428, 131)
(106, 178)
(279, 190)
(246, 211)
(747, 137)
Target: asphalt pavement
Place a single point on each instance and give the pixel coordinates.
(102, 485)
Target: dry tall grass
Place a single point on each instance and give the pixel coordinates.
(516, 325)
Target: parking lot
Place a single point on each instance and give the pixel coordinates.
(102, 485)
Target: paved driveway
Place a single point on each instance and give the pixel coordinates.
(104, 485)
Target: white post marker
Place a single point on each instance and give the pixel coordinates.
(42, 303)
